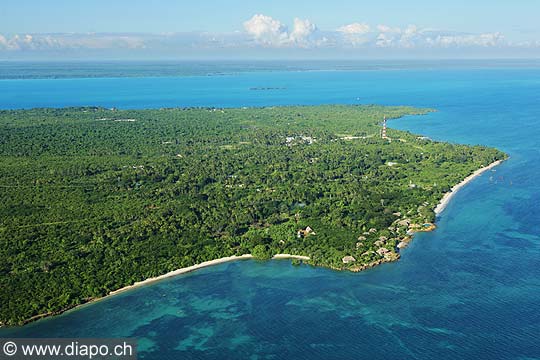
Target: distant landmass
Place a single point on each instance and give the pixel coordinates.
(266, 88)
(122, 69)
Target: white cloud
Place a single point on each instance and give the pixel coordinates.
(3, 42)
(387, 36)
(388, 29)
(270, 32)
(354, 29)
(266, 30)
(410, 36)
(467, 40)
(414, 37)
(302, 30)
(355, 34)
(385, 40)
(36, 42)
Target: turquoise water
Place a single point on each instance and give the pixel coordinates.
(470, 290)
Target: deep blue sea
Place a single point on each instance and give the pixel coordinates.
(469, 290)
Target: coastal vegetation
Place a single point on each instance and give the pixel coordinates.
(96, 199)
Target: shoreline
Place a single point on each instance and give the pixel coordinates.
(154, 279)
(197, 267)
(441, 206)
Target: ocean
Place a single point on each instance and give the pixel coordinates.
(469, 290)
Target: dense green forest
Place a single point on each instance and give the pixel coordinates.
(95, 199)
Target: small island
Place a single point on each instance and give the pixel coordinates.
(96, 200)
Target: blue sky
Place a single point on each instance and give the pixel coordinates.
(209, 27)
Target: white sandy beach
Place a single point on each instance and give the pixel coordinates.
(448, 196)
(438, 210)
(167, 275)
(200, 266)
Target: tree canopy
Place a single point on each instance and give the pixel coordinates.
(95, 199)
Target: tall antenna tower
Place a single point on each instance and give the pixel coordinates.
(383, 131)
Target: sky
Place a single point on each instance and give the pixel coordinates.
(178, 29)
